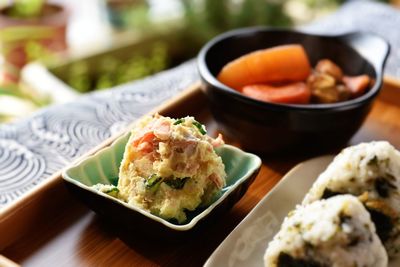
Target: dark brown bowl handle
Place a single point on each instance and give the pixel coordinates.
(371, 46)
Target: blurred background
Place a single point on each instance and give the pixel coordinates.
(54, 51)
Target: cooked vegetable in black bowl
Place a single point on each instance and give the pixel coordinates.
(268, 127)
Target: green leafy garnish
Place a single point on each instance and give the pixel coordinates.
(179, 121)
(114, 189)
(27, 8)
(200, 126)
(153, 182)
(177, 183)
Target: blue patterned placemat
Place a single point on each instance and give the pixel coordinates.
(33, 149)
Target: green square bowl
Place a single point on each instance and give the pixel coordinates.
(102, 167)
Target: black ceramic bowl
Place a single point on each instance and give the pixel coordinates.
(268, 127)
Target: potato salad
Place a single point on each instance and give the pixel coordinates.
(170, 167)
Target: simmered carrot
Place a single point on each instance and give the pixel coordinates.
(276, 64)
(295, 93)
(357, 84)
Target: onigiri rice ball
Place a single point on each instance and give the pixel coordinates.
(337, 232)
(371, 172)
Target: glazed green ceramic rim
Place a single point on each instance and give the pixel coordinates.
(251, 162)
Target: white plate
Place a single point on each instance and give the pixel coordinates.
(246, 244)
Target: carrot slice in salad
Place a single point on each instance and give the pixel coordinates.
(276, 64)
(148, 137)
(295, 93)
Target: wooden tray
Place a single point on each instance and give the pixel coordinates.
(47, 227)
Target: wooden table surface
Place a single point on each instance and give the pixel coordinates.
(75, 236)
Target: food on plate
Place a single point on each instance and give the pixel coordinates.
(282, 74)
(336, 232)
(294, 93)
(276, 64)
(170, 167)
(371, 172)
(108, 189)
(328, 67)
(357, 84)
(328, 84)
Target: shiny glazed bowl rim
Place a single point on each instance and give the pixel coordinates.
(209, 78)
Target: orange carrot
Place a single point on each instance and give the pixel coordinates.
(357, 84)
(147, 137)
(295, 93)
(276, 64)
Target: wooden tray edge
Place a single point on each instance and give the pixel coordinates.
(390, 91)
